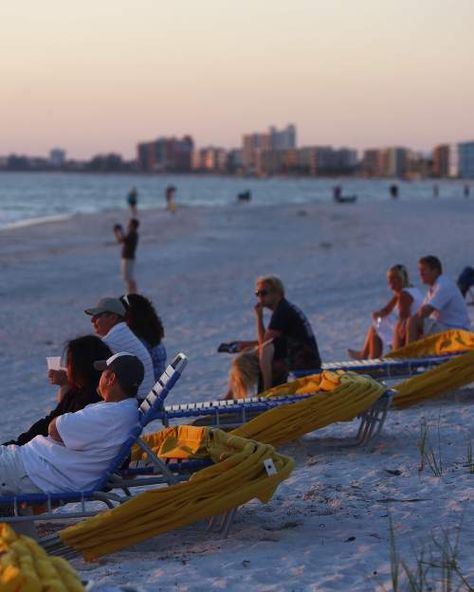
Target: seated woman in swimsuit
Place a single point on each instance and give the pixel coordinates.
(387, 326)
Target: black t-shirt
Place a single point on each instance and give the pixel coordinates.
(129, 247)
(297, 343)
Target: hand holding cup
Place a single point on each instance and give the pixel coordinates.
(58, 377)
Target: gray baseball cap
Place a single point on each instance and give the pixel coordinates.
(107, 305)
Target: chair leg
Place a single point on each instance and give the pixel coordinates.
(222, 522)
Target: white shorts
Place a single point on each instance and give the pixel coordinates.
(13, 476)
(128, 269)
(432, 326)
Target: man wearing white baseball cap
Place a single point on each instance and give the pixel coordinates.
(81, 445)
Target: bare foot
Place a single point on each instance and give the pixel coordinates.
(354, 355)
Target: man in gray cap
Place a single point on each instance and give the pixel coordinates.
(80, 446)
(108, 318)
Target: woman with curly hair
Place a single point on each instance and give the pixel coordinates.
(143, 320)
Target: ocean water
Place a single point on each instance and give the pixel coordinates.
(26, 198)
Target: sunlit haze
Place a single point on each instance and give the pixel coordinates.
(100, 75)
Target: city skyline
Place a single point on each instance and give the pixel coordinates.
(100, 77)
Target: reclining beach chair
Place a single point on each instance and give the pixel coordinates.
(334, 397)
(151, 405)
(411, 360)
(241, 470)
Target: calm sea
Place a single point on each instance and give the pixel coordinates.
(26, 198)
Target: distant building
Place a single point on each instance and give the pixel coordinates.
(418, 165)
(210, 159)
(396, 162)
(253, 145)
(309, 160)
(57, 157)
(284, 139)
(234, 161)
(166, 155)
(466, 160)
(453, 160)
(441, 160)
(385, 162)
(372, 162)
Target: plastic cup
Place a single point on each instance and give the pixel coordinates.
(54, 362)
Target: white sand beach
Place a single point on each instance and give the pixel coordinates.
(327, 527)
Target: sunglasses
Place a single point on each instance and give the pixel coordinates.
(261, 293)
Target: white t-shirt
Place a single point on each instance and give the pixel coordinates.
(450, 307)
(417, 299)
(92, 437)
(121, 338)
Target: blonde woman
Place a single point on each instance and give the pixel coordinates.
(389, 323)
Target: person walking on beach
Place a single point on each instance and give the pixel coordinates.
(170, 193)
(443, 308)
(288, 343)
(129, 243)
(108, 319)
(132, 202)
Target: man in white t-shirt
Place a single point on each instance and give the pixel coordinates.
(80, 446)
(108, 318)
(443, 308)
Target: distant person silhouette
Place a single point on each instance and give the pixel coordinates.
(467, 190)
(393, 191)
(170, 198)
(132, 202)
(129, 243)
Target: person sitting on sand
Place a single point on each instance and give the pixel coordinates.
(79, 446)
(77, 384)
(108, 318)
(129, 243)
(388, 327)
(142, 319)
(443, 308)
(288, 343)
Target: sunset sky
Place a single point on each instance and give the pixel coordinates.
(100, 75)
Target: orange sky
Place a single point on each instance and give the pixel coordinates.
(100, 75)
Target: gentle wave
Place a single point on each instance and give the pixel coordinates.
(33, 198)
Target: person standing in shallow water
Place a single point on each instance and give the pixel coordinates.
(132, 200)
(170, 193)
(129, 243)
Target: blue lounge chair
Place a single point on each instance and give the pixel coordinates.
(232, 413)
(384, 369)
(102, 492)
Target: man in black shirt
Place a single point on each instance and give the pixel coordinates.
(129, 243)
(288, 343)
